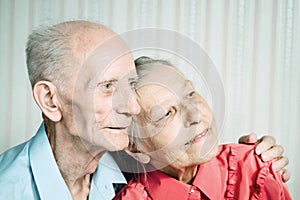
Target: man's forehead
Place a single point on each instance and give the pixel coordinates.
(105, 67)
(122, 67)
(86, 40)
(105, 60)
(108, 50)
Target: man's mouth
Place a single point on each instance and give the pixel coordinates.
(198, 137)
(117, 128)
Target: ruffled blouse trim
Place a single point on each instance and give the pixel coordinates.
(260, 183)
(232, 173)
(233, 177)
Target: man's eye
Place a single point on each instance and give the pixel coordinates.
(106, 87)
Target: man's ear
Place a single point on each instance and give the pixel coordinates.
(139, 156)
(46, 96)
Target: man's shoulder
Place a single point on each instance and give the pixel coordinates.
(15, 174)
(109, 169)
(14, 163)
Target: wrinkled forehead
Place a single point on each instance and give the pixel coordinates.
(110, 59)
(162, 85)
(111, 51)
(163, 75)
(153, 94)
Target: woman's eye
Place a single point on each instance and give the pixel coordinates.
(132, 84)
(168, 114)
(159, 114)
(191, 94)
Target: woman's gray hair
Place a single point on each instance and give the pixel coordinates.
(144, 60)
(144, 65)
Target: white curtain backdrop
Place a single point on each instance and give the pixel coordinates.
(254, 44)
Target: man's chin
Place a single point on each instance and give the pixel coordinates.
(118, 141)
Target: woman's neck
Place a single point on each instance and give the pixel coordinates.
(185, 175)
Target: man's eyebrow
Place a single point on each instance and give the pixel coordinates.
(107, 81)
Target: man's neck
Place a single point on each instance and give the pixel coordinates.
(75, 162)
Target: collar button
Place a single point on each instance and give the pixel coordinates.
(191, 191)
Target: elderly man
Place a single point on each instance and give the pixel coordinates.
(81, 119)
(82, 76)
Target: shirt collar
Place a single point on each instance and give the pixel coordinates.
(106, 174)
(161, 186)
(208, 179)
(49, 181)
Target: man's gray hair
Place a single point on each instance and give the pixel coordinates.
(49, 55)
(51, 52)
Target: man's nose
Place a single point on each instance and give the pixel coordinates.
(126, 103)
(133, 104)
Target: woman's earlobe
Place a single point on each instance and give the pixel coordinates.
(45, 95)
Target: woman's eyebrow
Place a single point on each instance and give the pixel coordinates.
(187, 84)
(135, 78)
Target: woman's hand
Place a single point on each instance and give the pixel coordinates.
(269, 150)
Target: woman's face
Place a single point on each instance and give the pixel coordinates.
(176, 126)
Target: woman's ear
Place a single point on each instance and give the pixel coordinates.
(139, 156)
(46, 96)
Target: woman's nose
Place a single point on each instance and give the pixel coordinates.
(192, 114)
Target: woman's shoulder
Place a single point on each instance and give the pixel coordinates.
(247, 168)
(241, 153)
(241, 148)
(242, 157)
(133, 190)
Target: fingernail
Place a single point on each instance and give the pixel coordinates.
(264, 157)
(258, 151)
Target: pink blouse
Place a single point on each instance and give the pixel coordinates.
(236, 173)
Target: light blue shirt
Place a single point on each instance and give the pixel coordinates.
(29, 171)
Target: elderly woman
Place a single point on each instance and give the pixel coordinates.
(176, 134)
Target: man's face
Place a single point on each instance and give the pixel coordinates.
(101, 107)
(176, 125)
